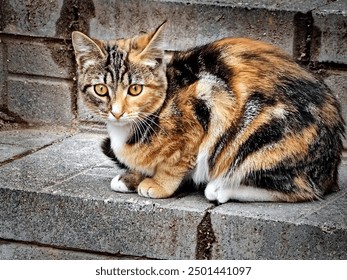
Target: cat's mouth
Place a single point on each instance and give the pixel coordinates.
(120, 120)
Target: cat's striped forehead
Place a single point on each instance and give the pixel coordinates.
(115, 65)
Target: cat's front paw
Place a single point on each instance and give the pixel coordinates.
(211, 191)
(149, 188)
(121, 184)
(215, 191)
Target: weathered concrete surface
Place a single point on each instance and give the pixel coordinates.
(337, 82)
(10, 250)
(30, 18)
(59, 196)
(18, 143)
(40, 59)
(48, 166)
(3, 72)
(329, 33)
(41, 100)
(284, 5)
(192, 25)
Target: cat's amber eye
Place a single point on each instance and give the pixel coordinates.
(101, 89)
(135, 90)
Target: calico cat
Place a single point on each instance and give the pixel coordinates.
(238, 116)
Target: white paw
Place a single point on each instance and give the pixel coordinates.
(216, 191)
(118, 185)
(224, 195)
(211, 191)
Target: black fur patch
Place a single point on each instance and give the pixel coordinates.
(223, 141)
(186, 67)
(107, 150)
(302, 95)
(115, 63)
(202, 113)
(267, 134)
(280, 178)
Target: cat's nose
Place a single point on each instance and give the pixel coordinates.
(117, 115)
(117, 111)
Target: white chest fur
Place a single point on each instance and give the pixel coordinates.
(118, 135)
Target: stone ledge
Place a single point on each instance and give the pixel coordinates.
(14, 250)
(59, 196)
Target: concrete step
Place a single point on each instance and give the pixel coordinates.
(55, 202)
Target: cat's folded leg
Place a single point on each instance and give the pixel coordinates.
(163, 184)
(127, 182)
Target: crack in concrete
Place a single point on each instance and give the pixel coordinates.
(205, 238)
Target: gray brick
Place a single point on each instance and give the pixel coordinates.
(65, 200)
(36, 18)
(337, 81)
(82, 212)
(191, 25)
(274, 27)
(45, 59)
(54, 19)
(330, 44)
(40, 101)
(254, 238)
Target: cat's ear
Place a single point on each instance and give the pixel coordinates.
(87, 51)
(148, 48)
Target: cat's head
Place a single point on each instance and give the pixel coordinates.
(123, 80)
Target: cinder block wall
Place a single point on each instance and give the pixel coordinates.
(37, 69)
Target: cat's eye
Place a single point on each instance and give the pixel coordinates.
(135, 90)
(101, 89)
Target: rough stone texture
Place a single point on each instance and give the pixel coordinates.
(23, 251)
(3, 71)
(38, 58)
(40, 100)
(337, 81)
(191, 25)
(54, 19)
(330, 44)
(15, 143)
(294, 5)
(37, 18)
(48, 166)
